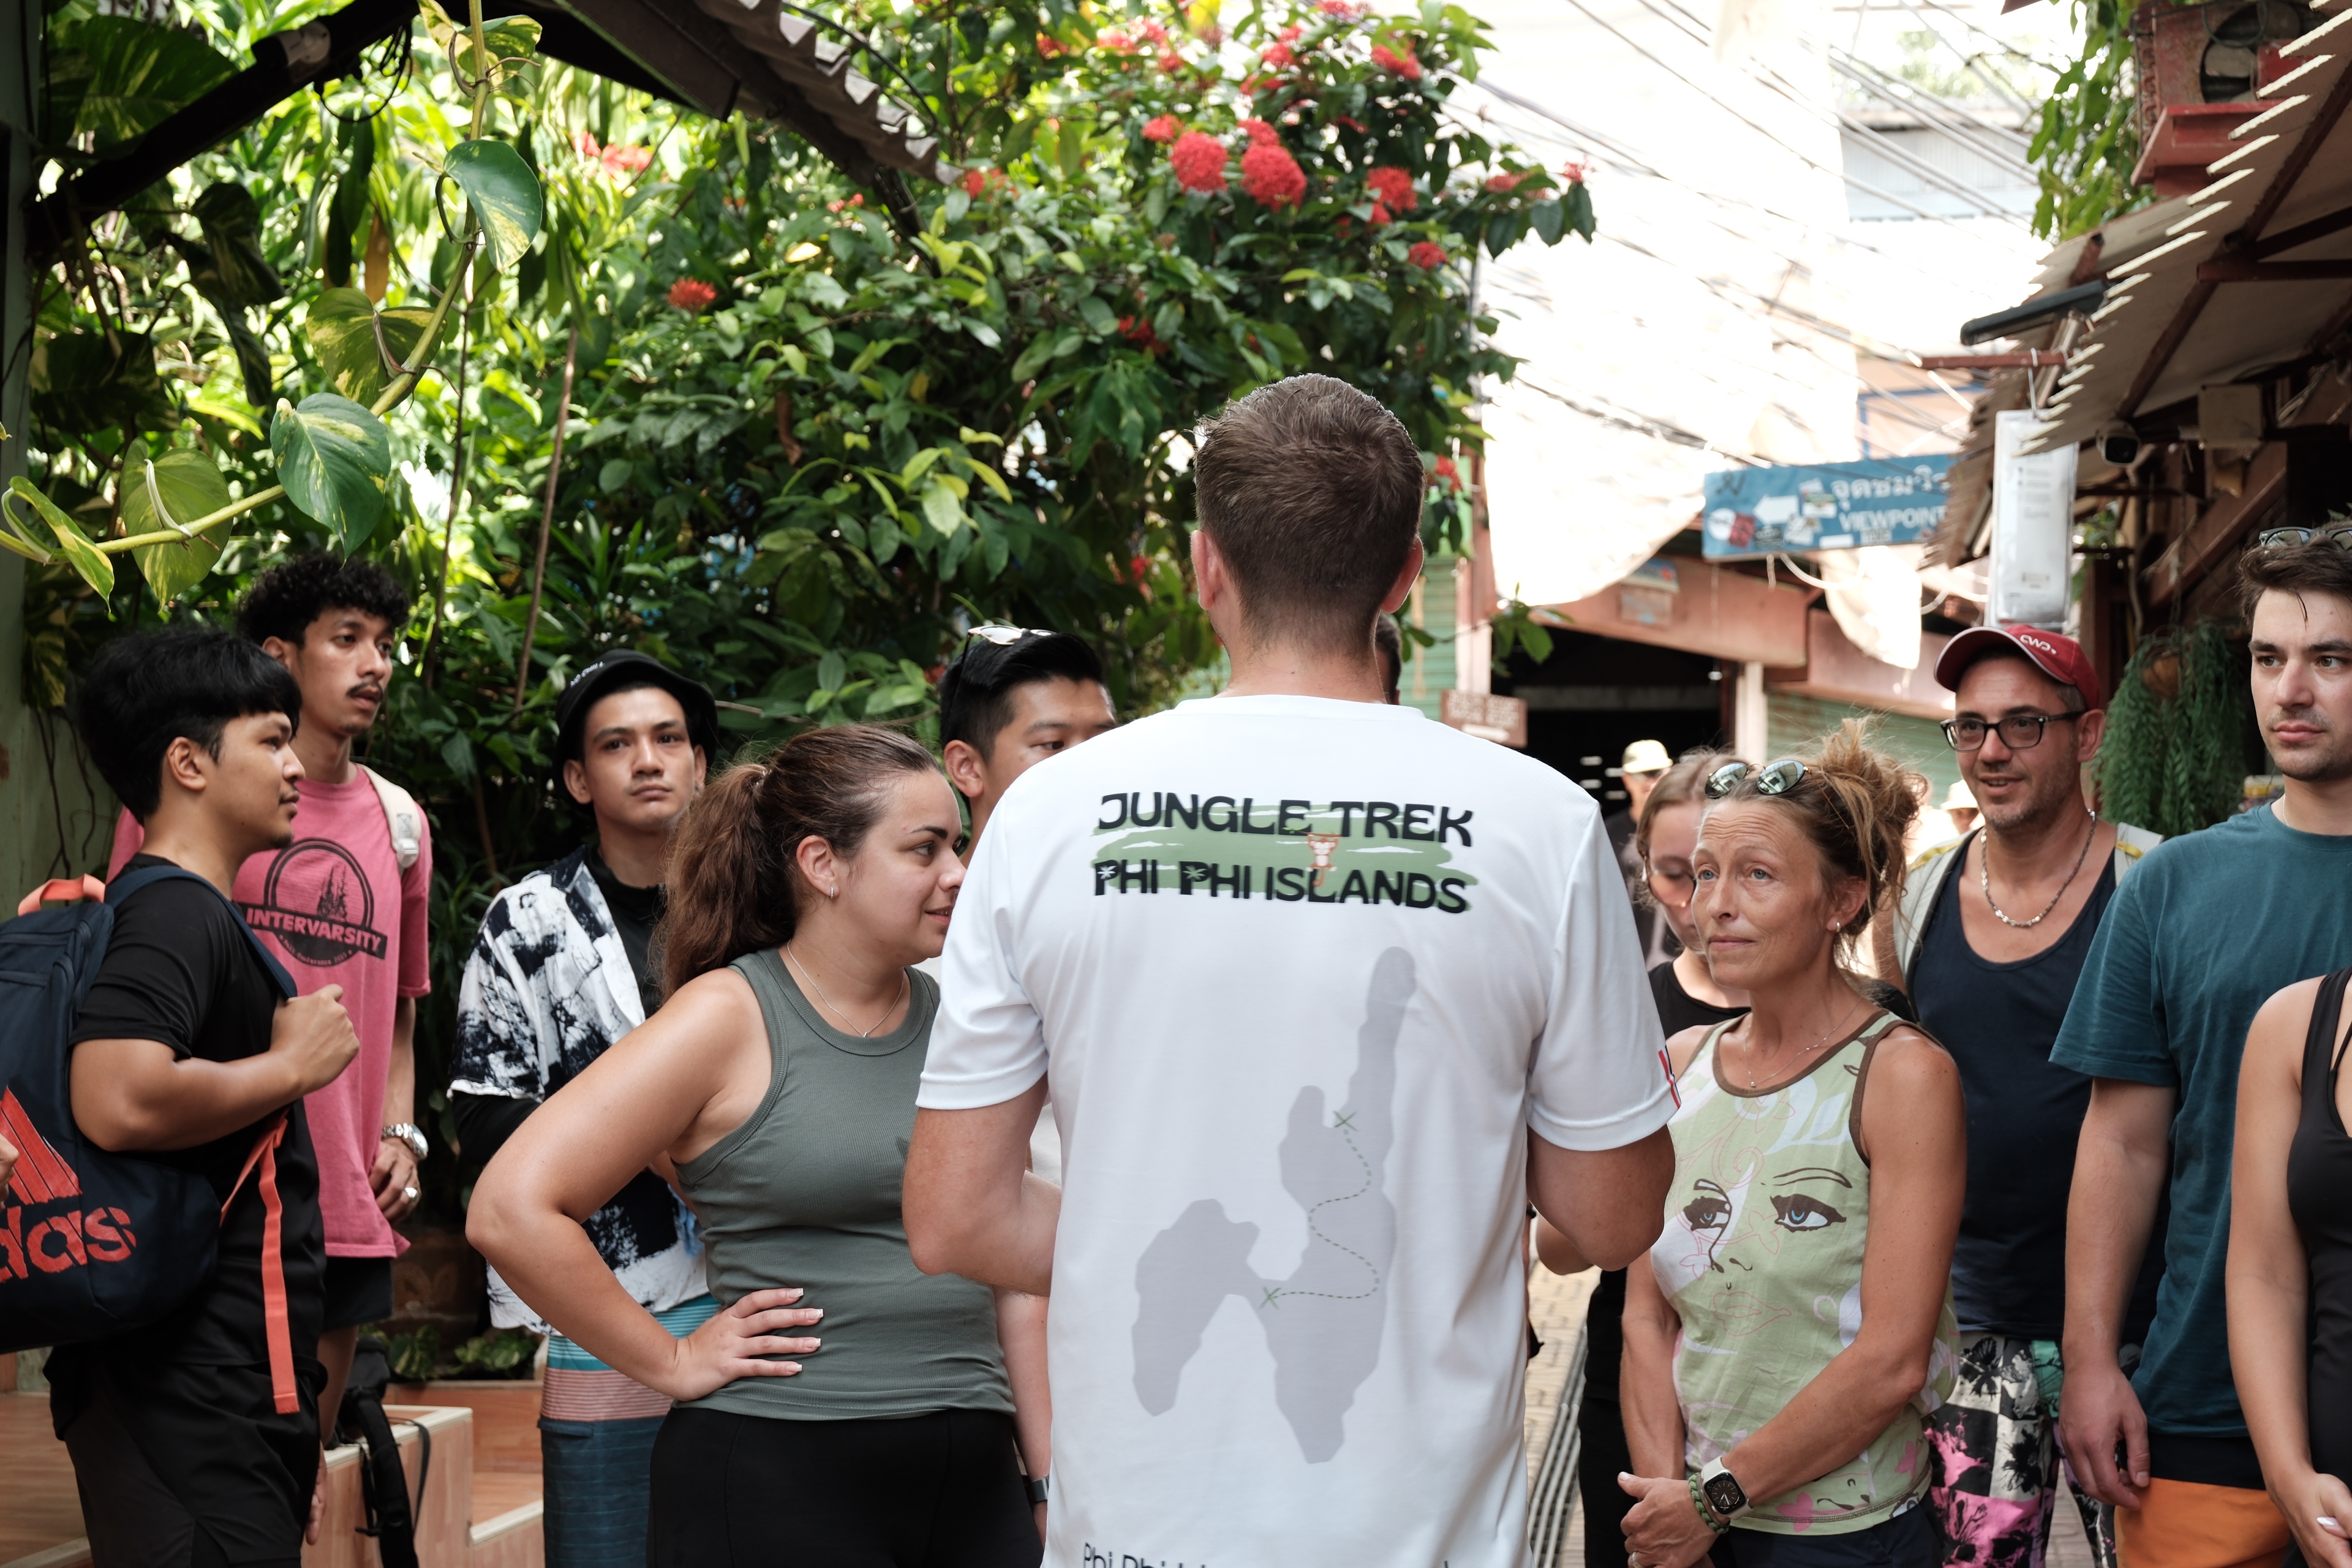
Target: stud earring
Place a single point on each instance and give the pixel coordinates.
(1834, 924)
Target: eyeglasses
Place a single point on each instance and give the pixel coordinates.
(2275, 537)
(1774, 778)
(2018, 732)
(1671, 888)
(1005, 636)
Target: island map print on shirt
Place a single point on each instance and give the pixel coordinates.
(1322, 1323)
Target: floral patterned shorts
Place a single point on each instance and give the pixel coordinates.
(1996, 1469)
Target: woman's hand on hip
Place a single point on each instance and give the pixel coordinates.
(734, 1343)
(1664, 1530)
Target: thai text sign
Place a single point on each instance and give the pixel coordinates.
(1831, 506)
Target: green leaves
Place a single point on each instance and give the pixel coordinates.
(333, 457)
(231, 220)
(132, 75)
(352, 338)
(508, 46)
(505, 195)
(188, 486)
(72, 543)
(348, 208)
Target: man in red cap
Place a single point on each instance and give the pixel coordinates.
(1992, 935)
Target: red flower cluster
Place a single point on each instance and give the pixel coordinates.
(1260, 133)
(1271, 176)
(979, 182)
(1427, 255)
(1115, 42)
(617, 161)
(856, 201)
(1339, 8)
(1170, 61)
(1162, 129)
(1574, 173)
(1402, 64)
(1279, 56)
(1448, 475)
(1394, 187)
(1200, 161)
(1290, 35)
(1151, 32)
(692, 295)
(1138, 331)
(1048, 47)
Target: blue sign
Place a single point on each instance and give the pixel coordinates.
(1834, 506)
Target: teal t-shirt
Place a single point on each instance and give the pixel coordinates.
(2203, 932)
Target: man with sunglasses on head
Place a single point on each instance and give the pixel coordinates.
(1014, 698)
(1991, 937)
(2209, 927)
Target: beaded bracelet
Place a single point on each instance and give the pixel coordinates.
(1698, 1501)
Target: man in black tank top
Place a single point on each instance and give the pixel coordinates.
(1995, 932)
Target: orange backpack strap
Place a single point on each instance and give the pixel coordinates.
(277, 1322)
(63, 890)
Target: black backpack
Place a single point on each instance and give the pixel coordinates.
(93, 1245)
(383, 1486)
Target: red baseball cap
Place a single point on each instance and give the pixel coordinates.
(2056, 656)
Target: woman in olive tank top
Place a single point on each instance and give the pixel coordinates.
(1793, 1324)
(2290, 1271)
(844, 1408)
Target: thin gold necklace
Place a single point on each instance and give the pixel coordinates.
(1753, 1080)
(1984, 881)
(862, 1033)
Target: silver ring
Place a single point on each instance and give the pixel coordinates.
(409, 1192)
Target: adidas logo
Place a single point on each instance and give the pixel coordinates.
(72, 1239)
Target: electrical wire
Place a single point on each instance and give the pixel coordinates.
(1631, 163)
(1802, 157)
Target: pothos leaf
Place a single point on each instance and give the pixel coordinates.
(333, 457)
(190, 488)
(72, 543)
(342, 325)
(505, 194)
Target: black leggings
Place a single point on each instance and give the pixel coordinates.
(940, 1490)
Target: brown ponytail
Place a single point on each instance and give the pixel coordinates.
(734, 885)
(1857, 806)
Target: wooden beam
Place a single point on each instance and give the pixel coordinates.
(2189, 558)
(2240, 270)
(2287, 239)
(2193, 305)
(1723, 614)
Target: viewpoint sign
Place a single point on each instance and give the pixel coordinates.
(1831, 506)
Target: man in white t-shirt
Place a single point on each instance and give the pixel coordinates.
(1327, 992)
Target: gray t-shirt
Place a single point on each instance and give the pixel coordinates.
(807, 1193)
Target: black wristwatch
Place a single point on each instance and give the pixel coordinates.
(1038, 1486)
(1724, 1493)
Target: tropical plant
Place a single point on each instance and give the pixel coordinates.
(719, 402)
(2088, 140)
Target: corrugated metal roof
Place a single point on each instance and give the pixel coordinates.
(2163, 331)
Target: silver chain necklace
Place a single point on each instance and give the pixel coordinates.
(1984, 880)
(862, 1033)
(1752, 1079)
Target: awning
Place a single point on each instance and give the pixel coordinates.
(2250, 274)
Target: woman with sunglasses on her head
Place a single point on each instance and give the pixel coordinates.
(844, 1408)
(1781, 1350)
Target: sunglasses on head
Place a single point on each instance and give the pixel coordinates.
(2338, 535)
(1005, 636)
(1773, 778)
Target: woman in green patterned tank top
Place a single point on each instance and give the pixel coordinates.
(1781, 1349)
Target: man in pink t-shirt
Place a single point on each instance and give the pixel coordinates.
(341, 908)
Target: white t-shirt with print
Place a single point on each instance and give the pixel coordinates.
(1305, 971)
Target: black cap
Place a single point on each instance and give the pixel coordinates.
(626, 667)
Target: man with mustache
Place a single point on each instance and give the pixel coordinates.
(345, 904)
(2209, 927)
(1992, 936)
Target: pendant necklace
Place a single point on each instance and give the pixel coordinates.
(1753, 1080)
(862, 1033)
(1984, 881)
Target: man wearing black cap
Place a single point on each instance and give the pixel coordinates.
(561, 969)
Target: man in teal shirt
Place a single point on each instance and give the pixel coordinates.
(2209, 927)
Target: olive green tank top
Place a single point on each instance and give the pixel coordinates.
(807, 1193)
(1761, 1257)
